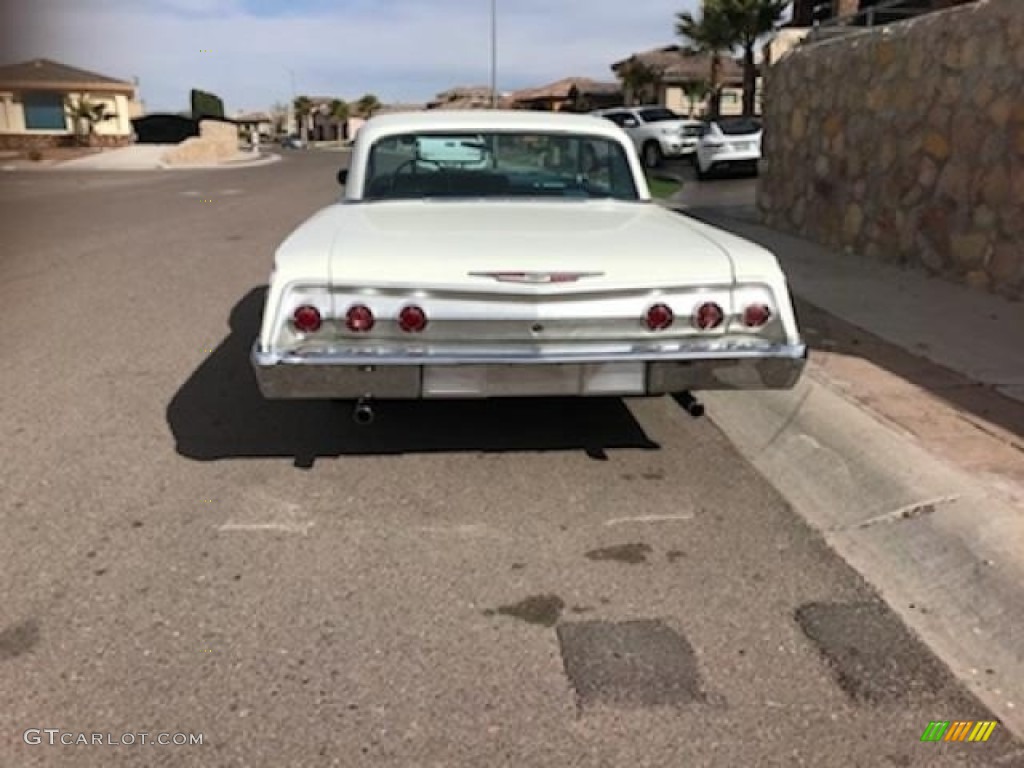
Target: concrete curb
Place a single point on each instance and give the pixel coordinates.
(267, 159)
(264, 159)
(942, 547)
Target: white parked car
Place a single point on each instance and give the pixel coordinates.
(657, 132)
(729, 143)
(530, 262)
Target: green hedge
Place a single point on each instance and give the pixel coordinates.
(206, 104)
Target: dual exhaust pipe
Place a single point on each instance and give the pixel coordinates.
(363, 414)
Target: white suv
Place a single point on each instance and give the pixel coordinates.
(657, 132)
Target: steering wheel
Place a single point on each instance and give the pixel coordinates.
(409, 164)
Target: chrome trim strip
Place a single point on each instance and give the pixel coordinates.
(370, 357)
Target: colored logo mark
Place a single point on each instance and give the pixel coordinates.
(959, 730)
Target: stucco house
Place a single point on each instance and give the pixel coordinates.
(33, 95)
(674, 69)
(571, 94)
(260, 122)
(871, 12)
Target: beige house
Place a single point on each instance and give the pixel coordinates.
(784, 40)
(260, 122)
(664, 75)
(571, 94)
(33, 97)
(467, 97)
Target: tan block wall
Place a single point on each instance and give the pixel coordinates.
(215, 143)
(906, 143)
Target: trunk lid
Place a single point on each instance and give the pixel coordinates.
(463, 245)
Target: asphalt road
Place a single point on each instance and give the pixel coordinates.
(520, 584)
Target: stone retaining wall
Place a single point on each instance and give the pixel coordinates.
(216, 142)
(906, 143)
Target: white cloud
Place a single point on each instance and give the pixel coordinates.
(403, 50)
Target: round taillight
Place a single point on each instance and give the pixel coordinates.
(307, 319)
(412, 319)
(359, 319)
(756, 315)
(659, 317)
(708, 315)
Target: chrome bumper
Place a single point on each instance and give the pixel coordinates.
(351, 374)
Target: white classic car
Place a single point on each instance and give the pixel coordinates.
(510, 254)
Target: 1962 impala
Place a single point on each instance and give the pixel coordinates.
(511, 254)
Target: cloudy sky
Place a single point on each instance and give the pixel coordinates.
(401, 50)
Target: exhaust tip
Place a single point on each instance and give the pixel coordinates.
(363, 415)
(690, 404)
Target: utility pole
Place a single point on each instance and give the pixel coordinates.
(494, 54)
(291, 117)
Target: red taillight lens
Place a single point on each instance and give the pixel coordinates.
(708, 315)
(307, 319)
(659, 317)
(412, 319)
(756, 315)
(359, 319)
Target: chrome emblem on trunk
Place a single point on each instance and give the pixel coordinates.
(536, 278)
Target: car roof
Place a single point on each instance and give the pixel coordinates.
(483, 120)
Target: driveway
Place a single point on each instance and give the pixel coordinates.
(521, 583)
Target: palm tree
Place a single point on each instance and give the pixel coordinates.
(279, 115)
(696, 92)
(710, 35)
(339, 113)
(750, 20)
(303, 106)
(636, 77)
(367, 105)
(85, 114)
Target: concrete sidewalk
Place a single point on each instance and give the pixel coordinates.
(960, 328)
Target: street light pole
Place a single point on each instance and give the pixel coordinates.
(494, 54)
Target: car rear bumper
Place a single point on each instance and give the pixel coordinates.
(351, 375)
(723, 159)
(677, 149)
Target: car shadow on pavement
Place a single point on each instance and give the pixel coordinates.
(219, 413)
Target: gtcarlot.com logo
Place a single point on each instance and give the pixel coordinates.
(55, 737)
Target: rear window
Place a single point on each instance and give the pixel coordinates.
(739, 126)
(498, 165)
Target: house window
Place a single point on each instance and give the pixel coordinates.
(44, 112)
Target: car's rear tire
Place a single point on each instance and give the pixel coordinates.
(652, 154)
(703, 175)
